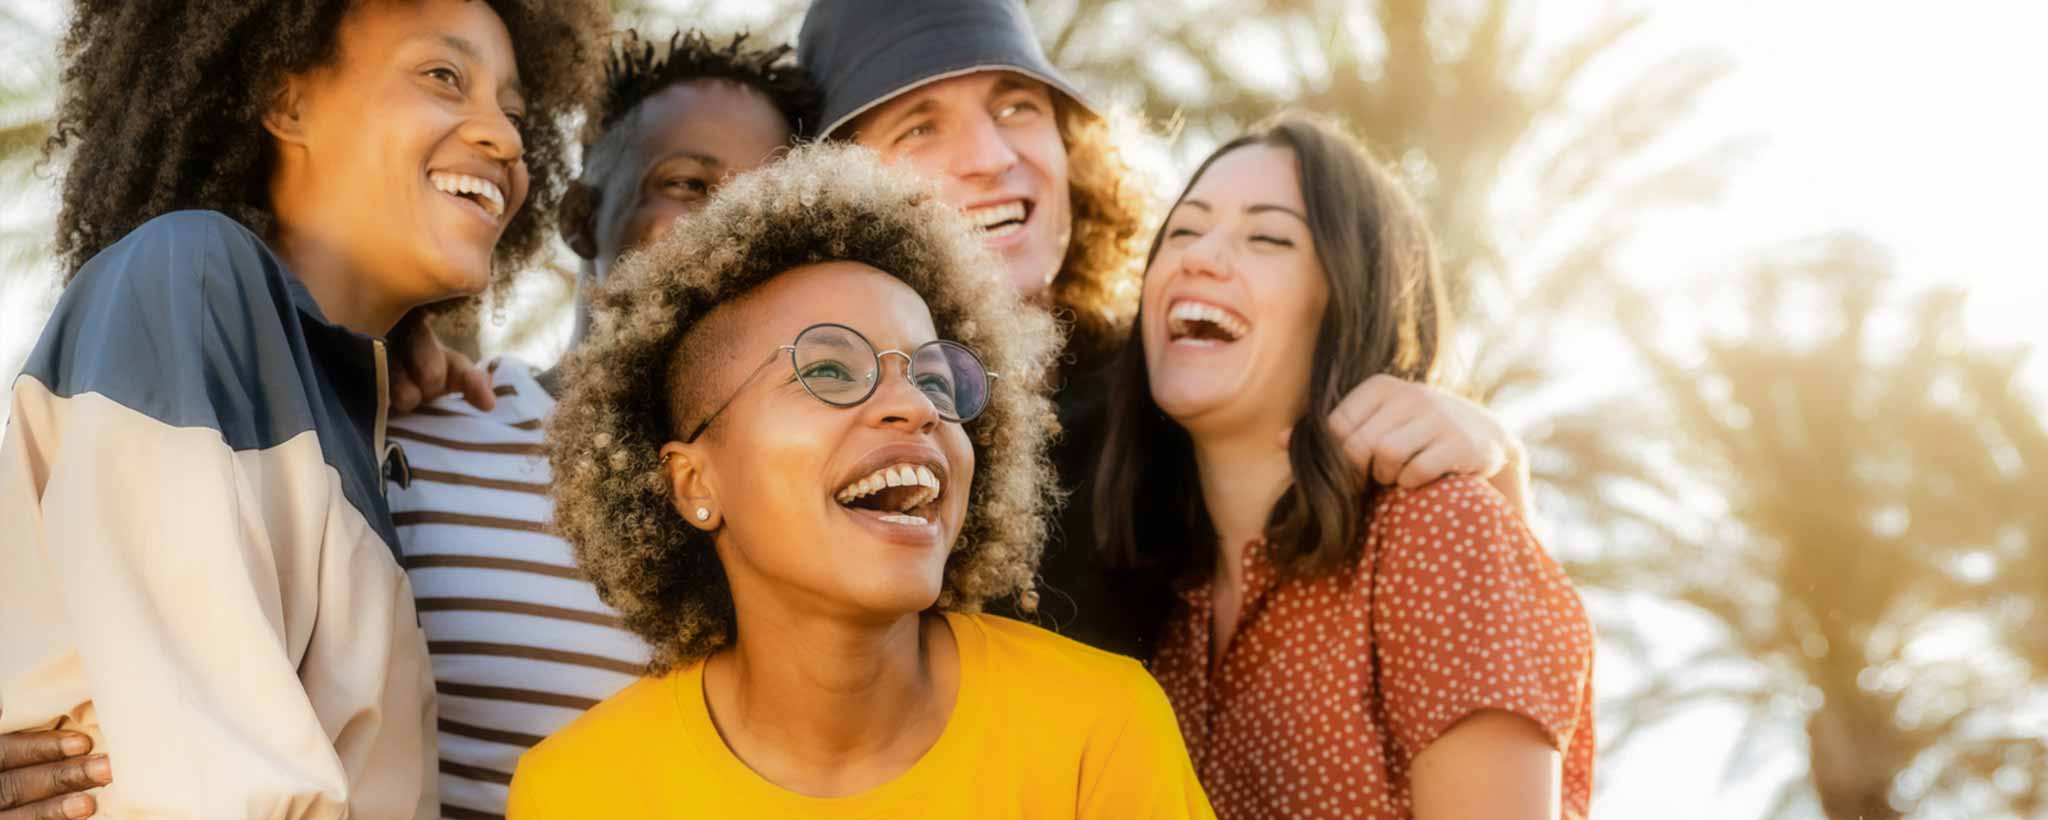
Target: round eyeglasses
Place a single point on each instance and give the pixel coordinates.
(840, 367)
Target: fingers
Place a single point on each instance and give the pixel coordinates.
(1436, 460)
(69, 807)
(1362, 403)
(21, 749)
(1365, 447)
(405, 395)
(476, 389)
(474, 383)
(41, 791)
(1393, 451)
(425, 360)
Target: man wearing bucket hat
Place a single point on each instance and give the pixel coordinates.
(961, 91)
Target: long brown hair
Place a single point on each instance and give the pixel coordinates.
(1386, 315)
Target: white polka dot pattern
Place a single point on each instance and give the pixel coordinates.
(1333, 684)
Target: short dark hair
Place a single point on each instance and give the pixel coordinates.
(1385, 315)
(162, 105)
(636, 70)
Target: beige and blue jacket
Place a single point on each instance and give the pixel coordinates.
(197, 564)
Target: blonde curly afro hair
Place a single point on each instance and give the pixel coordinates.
(821, 203)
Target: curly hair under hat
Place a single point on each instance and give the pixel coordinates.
(821, 203)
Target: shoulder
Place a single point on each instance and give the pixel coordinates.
(1095, 695)
(182, 266)
(626, 720)
(1021, 650)
(1456, 549)
(176, 320)
(169, 254)
(1458, 510)
(584, 769)
(1452, 498)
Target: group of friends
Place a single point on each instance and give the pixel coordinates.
(909, 460)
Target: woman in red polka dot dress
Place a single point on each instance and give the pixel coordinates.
(1333, 648)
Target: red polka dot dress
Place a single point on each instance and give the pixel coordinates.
(1333, 684)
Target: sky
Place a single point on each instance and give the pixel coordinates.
(1920, 126)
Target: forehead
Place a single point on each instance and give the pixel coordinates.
(730, 121)
(970, 89)
(879, 305)
(471, 28)
(1251, 175)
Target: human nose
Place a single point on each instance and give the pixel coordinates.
(897, 402)
(981, 151)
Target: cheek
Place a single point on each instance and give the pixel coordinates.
(1152, 293)
(651, 220)
(773, 460)
(1294, 297)
(959, 450)
(1047, 151)
(930, 164)
(522, 184)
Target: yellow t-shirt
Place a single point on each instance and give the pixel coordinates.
(1043, 728)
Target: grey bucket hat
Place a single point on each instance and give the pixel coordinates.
(863, 53)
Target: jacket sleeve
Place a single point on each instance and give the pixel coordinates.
(151, 467)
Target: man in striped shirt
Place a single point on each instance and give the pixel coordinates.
(520, 643)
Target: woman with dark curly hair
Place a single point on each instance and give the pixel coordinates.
(200, 574)
(960, 91)
(844, 461)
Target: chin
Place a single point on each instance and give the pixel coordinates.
(896, 594)
(1188, 393)
(1032, 276)
(459, 275)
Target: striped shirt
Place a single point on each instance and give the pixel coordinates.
(521, 645)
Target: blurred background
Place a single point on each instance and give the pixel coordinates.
(1762, 285)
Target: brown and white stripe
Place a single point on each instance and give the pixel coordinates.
(521, 644)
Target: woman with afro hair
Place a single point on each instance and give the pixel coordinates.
(199, 574)
(803, 445)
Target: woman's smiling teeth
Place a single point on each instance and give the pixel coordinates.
(477, 189)
(1203, 323)
(999, 220)
(894, 491)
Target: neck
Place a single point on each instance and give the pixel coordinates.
(338, 286)
(1242, 478)
(828, 707)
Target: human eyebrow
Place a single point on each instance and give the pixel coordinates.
(709, 162)
(1269, 207)
(922, 108)
(463, 46)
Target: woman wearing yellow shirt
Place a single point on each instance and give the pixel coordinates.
(804, 444)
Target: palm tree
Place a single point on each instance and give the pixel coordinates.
(28, 93)
(1876, 487)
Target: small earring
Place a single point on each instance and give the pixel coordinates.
(703, 514)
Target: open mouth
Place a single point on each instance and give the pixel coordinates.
(998, 221)
(1202, 323)
(901, 493)
(484, 193)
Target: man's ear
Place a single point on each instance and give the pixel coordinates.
(577, 219)
(281, 119)
(690, 486)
